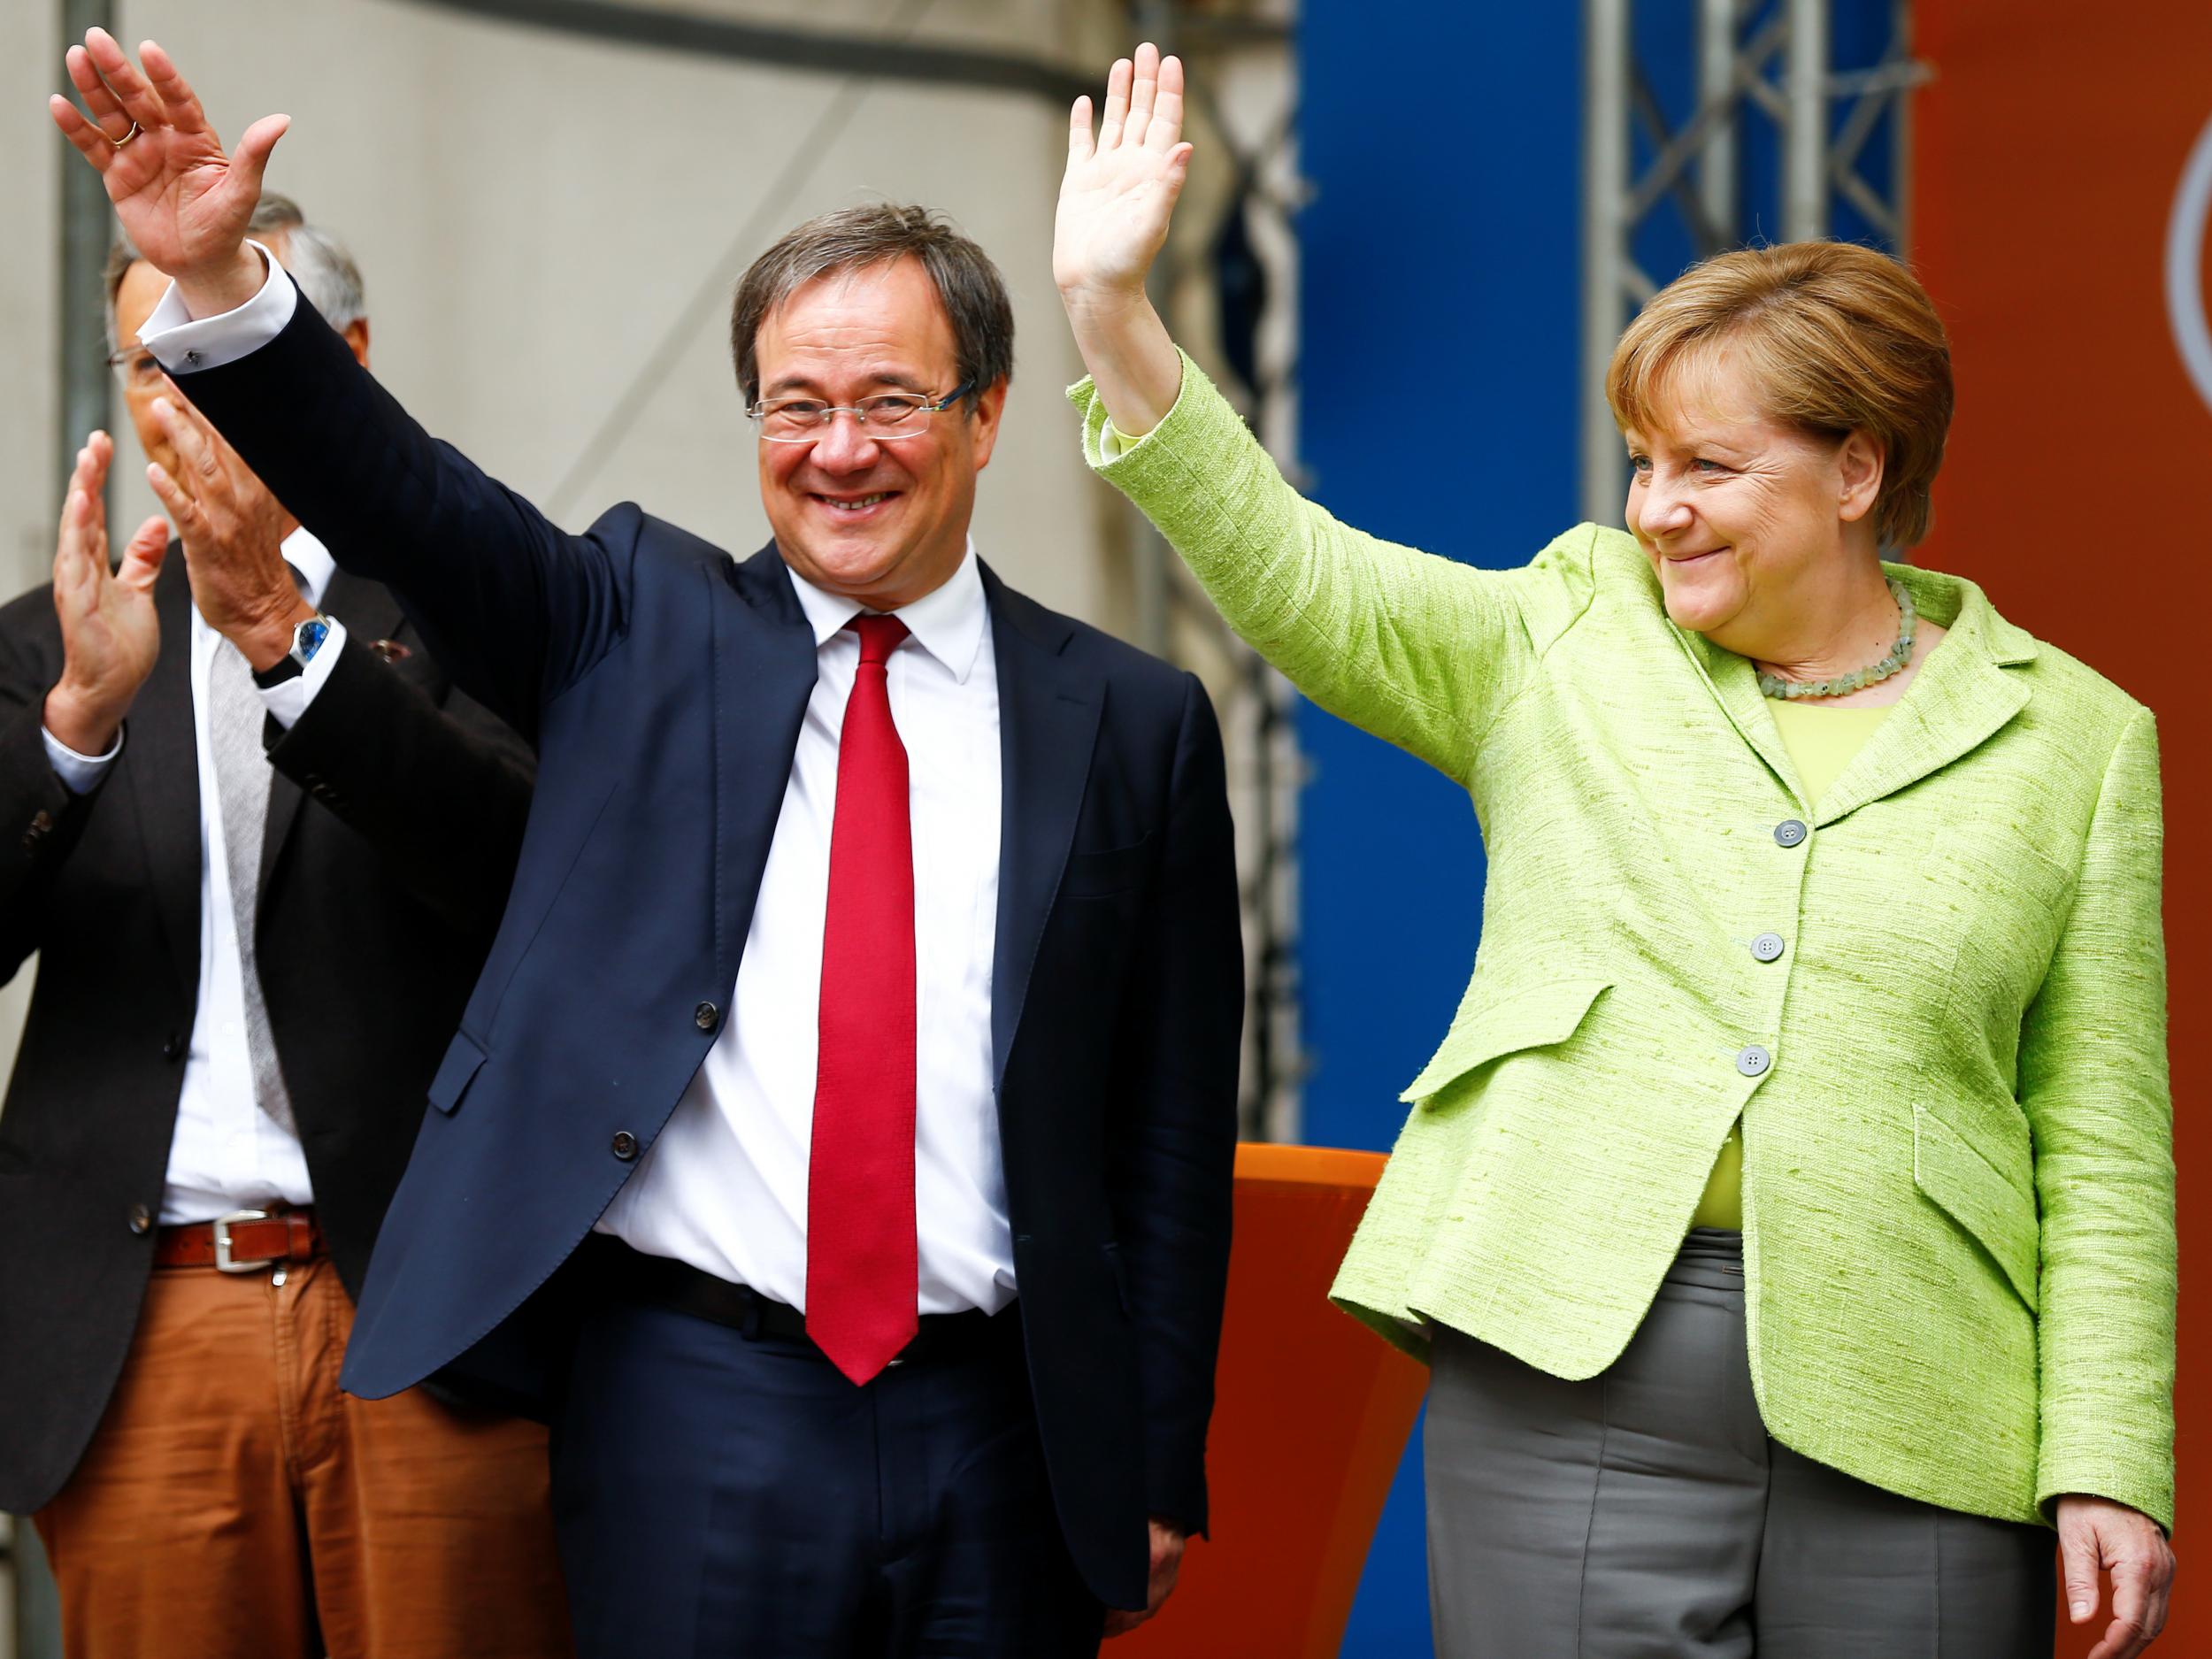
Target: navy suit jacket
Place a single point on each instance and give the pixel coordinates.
(663, 684)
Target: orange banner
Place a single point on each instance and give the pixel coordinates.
(2062, 184)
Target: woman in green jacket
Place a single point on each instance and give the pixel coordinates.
(1787, 1214)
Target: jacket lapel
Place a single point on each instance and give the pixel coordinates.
(369, 612)
(161, 762)
(764, 670)
(1049, 716)
(1735, 686)
(1961, 697)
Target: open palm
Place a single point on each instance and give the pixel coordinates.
(177, 194)
(110, 633)
(1120, 187)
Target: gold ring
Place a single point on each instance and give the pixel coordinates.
(133, 133)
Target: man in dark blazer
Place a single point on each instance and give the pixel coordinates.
(258, 904)
(867, 1005)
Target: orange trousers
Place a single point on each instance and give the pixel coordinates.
(234, 1503)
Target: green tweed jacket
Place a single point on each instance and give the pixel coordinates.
(1958, 1183)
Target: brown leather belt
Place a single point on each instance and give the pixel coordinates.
(243, 1242)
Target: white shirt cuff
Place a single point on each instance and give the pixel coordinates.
(287, 699)
(80, 774)
(182, 345)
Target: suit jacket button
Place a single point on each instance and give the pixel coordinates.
(1768, 947)
(705, 1014)
(172, 1046)
(625, 1145)
(1753, 1061)
(141, 1219)
(1789, 831)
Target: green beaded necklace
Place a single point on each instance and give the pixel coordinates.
(1872, 674)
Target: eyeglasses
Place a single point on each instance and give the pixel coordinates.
(140, 370)
(886, 415)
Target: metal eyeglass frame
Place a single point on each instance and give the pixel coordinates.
(760, 410)
(120, 361)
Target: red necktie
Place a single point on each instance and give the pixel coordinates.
(861, 1271)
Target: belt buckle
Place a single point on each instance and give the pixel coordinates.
(224, 1262)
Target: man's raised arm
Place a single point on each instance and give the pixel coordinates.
(515, 607)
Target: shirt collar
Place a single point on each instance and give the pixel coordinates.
(947, 622)
(312, 560)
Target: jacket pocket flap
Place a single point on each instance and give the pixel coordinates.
(462, 1059)
(1967, 1188)
(1534, 1019)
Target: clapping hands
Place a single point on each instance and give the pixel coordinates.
(233, 531)
(110, 634)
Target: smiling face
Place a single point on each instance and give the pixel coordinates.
(1752, 525)
(881, 521)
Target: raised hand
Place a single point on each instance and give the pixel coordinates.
(233, 530)
(110, 634)
(1120, 187)
(180, 198)
(1115, 200)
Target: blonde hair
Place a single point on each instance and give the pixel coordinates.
(1835, 339)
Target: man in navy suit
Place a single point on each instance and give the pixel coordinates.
(838, 1141)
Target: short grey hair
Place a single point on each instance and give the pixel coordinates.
(317, 260)
(968, 284)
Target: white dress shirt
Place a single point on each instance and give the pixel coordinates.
(226, 1153)
(724, 1187)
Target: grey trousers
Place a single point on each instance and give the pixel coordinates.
(1645, 1512)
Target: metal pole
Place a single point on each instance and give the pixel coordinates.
(1805, 140)
(1715, 73)
(85, 222)
(1605, 157)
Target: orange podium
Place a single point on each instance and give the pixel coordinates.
(1310, 1416)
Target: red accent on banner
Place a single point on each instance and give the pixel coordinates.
(2050, 157)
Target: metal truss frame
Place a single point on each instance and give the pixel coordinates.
(1754, 57)
(1257, 705)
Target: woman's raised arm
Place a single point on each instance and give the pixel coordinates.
(1115, 200)
(1419, 650)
